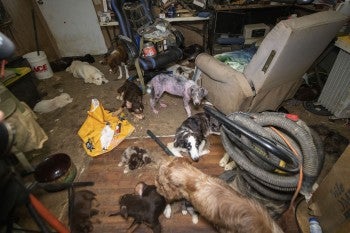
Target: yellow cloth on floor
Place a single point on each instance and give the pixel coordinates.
(101, 131)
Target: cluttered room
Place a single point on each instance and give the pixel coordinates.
(173, 116)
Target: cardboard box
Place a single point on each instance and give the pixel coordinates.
(331, 201)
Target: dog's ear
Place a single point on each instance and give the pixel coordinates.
(204, 91)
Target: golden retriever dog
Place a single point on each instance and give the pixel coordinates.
(228, 210)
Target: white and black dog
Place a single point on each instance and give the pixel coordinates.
(192, 135)
(176, 85)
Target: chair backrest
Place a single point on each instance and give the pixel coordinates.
(290, 48)
(131, 15)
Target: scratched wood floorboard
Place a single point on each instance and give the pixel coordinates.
(111, 183)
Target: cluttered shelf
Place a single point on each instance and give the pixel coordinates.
(262, 4)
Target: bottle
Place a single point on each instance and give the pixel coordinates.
(314, 225)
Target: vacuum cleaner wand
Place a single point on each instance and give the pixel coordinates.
(154, 137)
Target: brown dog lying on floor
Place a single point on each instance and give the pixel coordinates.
(225, 208)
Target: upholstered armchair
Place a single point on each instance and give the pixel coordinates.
(275, 72)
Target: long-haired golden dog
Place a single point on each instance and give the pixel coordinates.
(225, 208)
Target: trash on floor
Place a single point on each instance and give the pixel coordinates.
(101, 131)
(50, 105)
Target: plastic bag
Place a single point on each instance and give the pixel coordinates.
(101, 131)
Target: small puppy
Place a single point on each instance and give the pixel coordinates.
(131, 95)
(228, 210)
(191, 136)
(89, 73)
(115, 60)
(133, 158)
(144, 206)
(50, 105)
(82, 212)
(175, 85)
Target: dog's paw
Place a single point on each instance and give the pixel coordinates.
(230, 166)
(184, 212)
(155, 111)
(224, 160)
(120, 164)
(126, 170)
(167, 211)
(195, 219)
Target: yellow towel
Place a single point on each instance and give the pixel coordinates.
(101, 131)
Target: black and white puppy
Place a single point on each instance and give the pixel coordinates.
(144, 206)
(191, 136)
(134, 157)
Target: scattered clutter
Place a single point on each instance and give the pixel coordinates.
(181, 70)
(45, 106)
(271, 159)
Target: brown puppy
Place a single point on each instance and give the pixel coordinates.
(215, 200)
(116, 59)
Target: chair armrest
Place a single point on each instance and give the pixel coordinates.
(221, 72)
(228, 89)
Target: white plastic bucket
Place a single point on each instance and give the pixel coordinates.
(39, 64)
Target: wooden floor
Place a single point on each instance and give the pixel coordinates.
(111, 183)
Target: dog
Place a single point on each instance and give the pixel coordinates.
(50, 105)
(82, 212)
(131, 95)
(133, 158)
(175, 85)
(115, 60)
(144, 206)
(228, 210)
(191, 136)
(89, 73)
